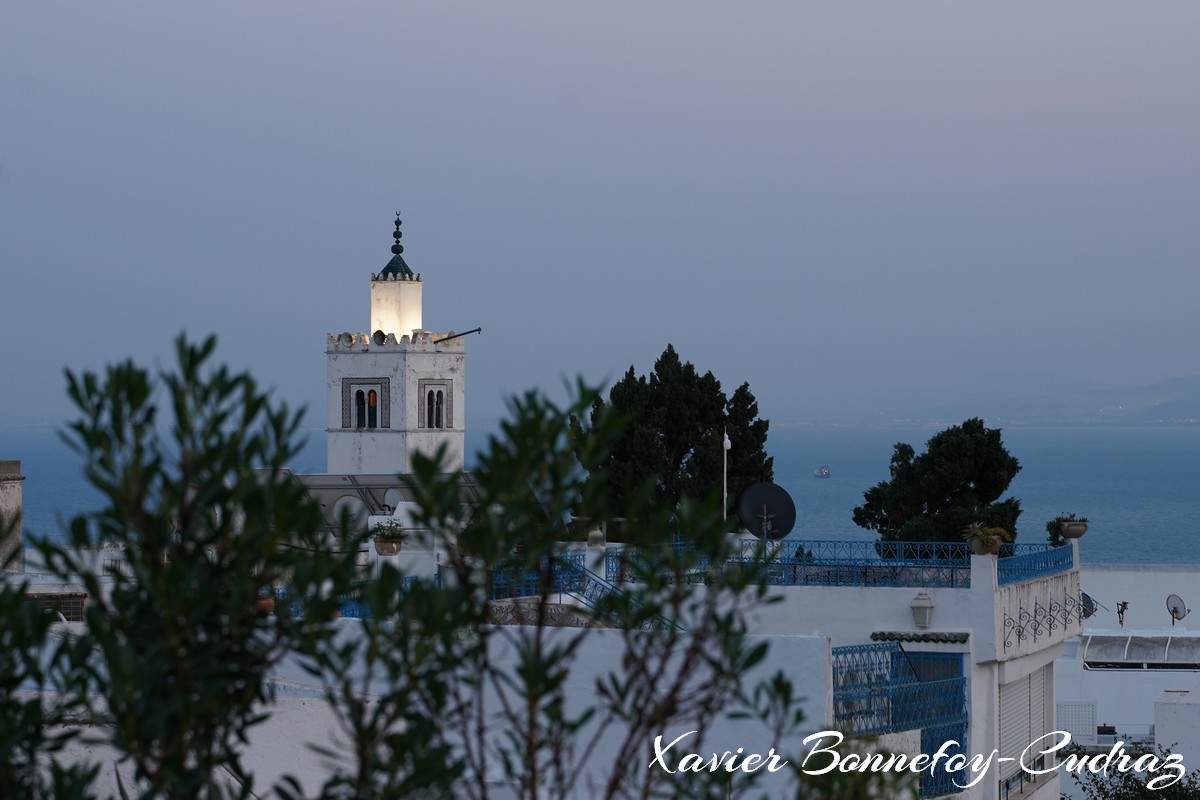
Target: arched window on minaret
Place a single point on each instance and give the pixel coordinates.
(360, 409)
(372, 409)
(435, 406)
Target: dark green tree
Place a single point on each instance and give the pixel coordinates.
(206, 518)
(32, 730)
(676, 420)
(933, 496)
(1170, 780)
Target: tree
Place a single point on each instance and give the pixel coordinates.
(171, 667)
(932, 497)
(176, 652)
(1165, 779)
(676, 423)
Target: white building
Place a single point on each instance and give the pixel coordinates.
(398, 389)
(1133, 673)
(930, 640)
(10, 515)
(979, 671)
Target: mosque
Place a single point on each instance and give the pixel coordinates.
(398, 389)
(393, 391)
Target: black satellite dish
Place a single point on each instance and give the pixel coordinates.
(1177, 608)
(767, 511)
(1089, 605)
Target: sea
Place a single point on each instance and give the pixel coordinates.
(1138, 486)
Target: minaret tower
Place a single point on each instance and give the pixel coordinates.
(398, 390)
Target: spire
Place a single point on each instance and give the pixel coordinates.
(396, 268)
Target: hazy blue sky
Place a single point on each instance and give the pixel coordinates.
(851, 206)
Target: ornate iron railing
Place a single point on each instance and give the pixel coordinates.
(552, 574)
(1033, 561)
(795, 562)
(626, 564)
(1043, 621)
(876, 690)
(567, 573)
(349, 605)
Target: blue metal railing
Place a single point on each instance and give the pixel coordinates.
(626, 564)
(553, 574)
(567, 573)
(1034, 561)
(794, 562)
(349, 605)
(825, 552)
(876, 690)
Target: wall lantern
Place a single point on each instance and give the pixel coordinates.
(922, 609)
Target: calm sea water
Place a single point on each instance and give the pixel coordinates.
(1140, 487)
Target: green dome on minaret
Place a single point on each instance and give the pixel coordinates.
(396, 268)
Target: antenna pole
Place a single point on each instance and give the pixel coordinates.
(725, 445)
(457, 335)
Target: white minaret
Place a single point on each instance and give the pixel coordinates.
(397, 390)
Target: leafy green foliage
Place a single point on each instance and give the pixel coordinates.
(206, 519)
(676, 422)
(532, 478)
(1115, 784)
(30, 725)
(440, 689)
(1054, 532)
(932, 497)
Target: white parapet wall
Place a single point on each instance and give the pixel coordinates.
(301, 720)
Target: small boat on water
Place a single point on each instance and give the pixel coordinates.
(822, 472)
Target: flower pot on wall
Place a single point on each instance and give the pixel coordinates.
(984, 546)
(265, 602)
(388, 547)
(1073, 529)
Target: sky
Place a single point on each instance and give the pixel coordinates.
(854, 207)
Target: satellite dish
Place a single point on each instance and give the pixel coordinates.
(1176, 606)
(1089, 605)
(352, 509)
(380, 337)
(767, 511)
(393, 498)
(346, 339)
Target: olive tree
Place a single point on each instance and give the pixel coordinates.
(444, 687)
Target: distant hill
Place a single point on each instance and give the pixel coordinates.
(1171, 402)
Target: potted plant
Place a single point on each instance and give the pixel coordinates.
(265, 603)
(389, 537)
(1064, 527)
(985, 541)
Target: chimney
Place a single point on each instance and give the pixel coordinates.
(10, 515)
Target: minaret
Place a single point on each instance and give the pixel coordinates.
(396, 294)
(398, 390)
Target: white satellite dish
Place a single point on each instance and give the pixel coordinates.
(352, 509)
(1176, 606)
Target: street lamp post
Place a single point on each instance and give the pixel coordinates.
(726, 445)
